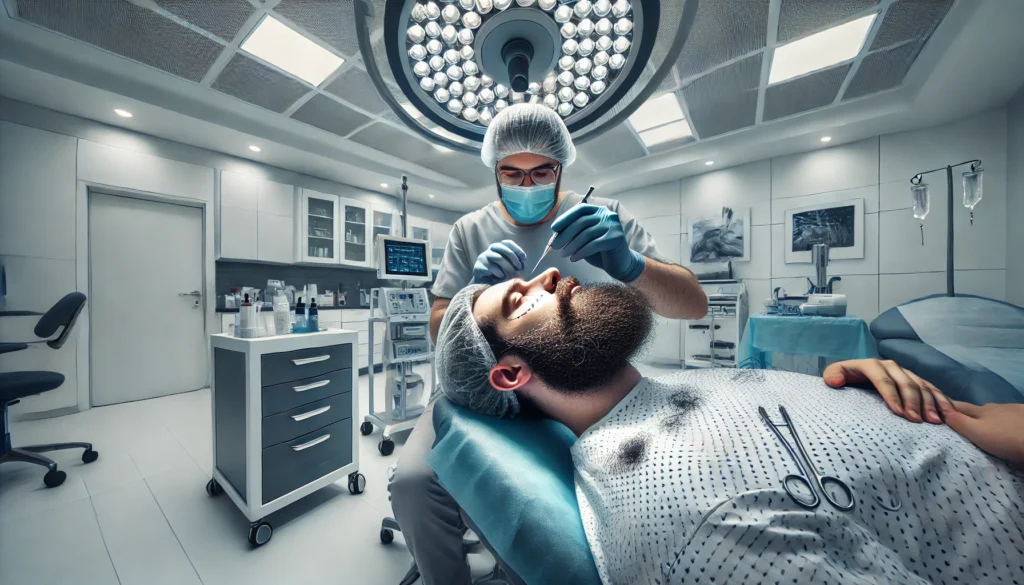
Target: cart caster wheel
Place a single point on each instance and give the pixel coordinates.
(366, 428)
(386, 447)
(356, 483)
(54, 478)
(387, 536)
(213, 488)
(88, 456)
(260, 533)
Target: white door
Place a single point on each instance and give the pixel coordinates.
(146, 312)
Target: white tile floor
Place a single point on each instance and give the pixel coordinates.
(140, 513)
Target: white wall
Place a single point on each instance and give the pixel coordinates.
(896, 267)
(1015, 200)
(47, 159)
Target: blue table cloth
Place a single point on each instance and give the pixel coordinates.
(830, 337)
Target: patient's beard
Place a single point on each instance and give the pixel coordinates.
(596, 333)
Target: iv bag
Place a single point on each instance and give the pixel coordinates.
(921, 198)
(972, 189)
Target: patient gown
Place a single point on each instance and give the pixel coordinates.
(682, 483)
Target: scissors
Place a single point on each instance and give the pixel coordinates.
(802, 478)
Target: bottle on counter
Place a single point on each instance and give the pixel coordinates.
(282, 320)
(247, 320)
(314, 317)
(300, 325)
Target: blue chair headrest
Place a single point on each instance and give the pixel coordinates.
(63, 313)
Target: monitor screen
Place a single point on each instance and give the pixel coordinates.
(402, 258)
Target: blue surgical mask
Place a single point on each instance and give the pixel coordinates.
(528, 204)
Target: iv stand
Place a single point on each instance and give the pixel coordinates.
(916, 180)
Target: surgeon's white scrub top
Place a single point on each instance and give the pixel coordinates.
(475, 232)
(682, 483)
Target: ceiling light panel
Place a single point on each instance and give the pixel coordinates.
(655, 112)
(668, 132)
(288, 50)
(818, 51)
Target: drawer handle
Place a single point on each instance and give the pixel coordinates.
(310, 414)
(305, 387)
(312, 443)
(311, 360)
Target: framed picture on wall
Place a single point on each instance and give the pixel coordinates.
(839, 224)
(720, 238)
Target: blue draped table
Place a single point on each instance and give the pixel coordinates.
(843, 338)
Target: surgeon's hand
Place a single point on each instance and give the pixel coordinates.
(997, 429)
(594, 233)
(903, 391)
(498, 263)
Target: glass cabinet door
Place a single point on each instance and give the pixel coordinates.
(320, 228)
(355, 218)
(383, 223)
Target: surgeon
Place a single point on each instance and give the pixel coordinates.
(528, 148)
(679, 478)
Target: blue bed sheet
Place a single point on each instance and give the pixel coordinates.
(514, 479)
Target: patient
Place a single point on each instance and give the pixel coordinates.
(679, 480)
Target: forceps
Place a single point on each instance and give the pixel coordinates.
(548, 248)
(802, 478)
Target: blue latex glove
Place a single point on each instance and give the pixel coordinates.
(498, 263)
(594, 233)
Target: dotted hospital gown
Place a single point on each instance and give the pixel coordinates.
(682, 483)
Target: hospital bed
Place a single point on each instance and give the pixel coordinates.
(971, 347)
(514, 482)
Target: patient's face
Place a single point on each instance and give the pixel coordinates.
(573, 336)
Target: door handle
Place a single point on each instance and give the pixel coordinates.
(194, 293)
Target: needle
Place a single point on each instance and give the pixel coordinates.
(552, 240)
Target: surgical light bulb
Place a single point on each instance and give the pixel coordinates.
(550, 84)
(441, 95)
(451, 56)
(517, 97)
(582, 82)
(564, 109)
(599, 72)
(568, 30)
(500, 105)
(586, 47)
(470, 99)
(449, 34)
(470, 114)
(455, 88)
(433, 11)
(547, 4)
(534, 87)
(484, 6)
(419, 12)
(421, 69)
(453, 72)
(466, 53)
(436, 63)
(565, 94)
(566, 63)
(585, 28)
(440, 79)
(583, 8)
(526, 2)
(620, 8)
(486, 95)
(427, 84)
(617, 61)
(418, 52)
(455, 106)
(433, 29)
(601, 58)
(466, 36)
(502, 4)
(621, 45)
(597, 87)
(501, 91)
(569, 47)
(467, 4)
(602, 7)
(565, 78)
(471, 83)
(416, 33)
(623, 26)
(603, 43)
(581, 99)
(486, 116)
(563, 14)
(603, 27)
(450, 14)
(583, 66)
(551, 101)
(434, 47)
(471, 20)
(471, 68)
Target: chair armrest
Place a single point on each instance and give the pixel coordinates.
(9, 347)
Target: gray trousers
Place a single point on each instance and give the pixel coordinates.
(427, 514)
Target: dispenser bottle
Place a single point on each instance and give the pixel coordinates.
(314, 317)
(300, 317)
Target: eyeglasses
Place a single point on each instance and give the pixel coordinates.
(544, 175)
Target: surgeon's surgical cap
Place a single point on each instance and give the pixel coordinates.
(464, 359)
(532, 128)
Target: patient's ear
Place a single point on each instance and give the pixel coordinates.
(511, 373)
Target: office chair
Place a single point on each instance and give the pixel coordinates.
(17, 385)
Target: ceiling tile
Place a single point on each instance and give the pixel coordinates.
(799, 18)
(725, 99)
(129, 31)
(908, 20)
(355, 87)
(802, 94)
(723, 30)
(393, 141)
(616, 146)
(223, 18)
(332, 21)
(882, 70)
(327, 114)
(254, 82)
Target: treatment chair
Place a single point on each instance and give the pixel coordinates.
(17, 385)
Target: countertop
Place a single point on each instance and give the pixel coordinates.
(289, 342)
(292, 309)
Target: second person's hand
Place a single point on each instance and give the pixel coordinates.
(498, 263)
(904, 392)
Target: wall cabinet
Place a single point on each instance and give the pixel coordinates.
(355, 231)
(320, 242)
(238, 238)
(385, 221)
(275, 222)
(256, 219)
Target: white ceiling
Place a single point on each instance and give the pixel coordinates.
(974, 61)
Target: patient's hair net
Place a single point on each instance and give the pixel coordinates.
(464, 360)
(532, 128)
